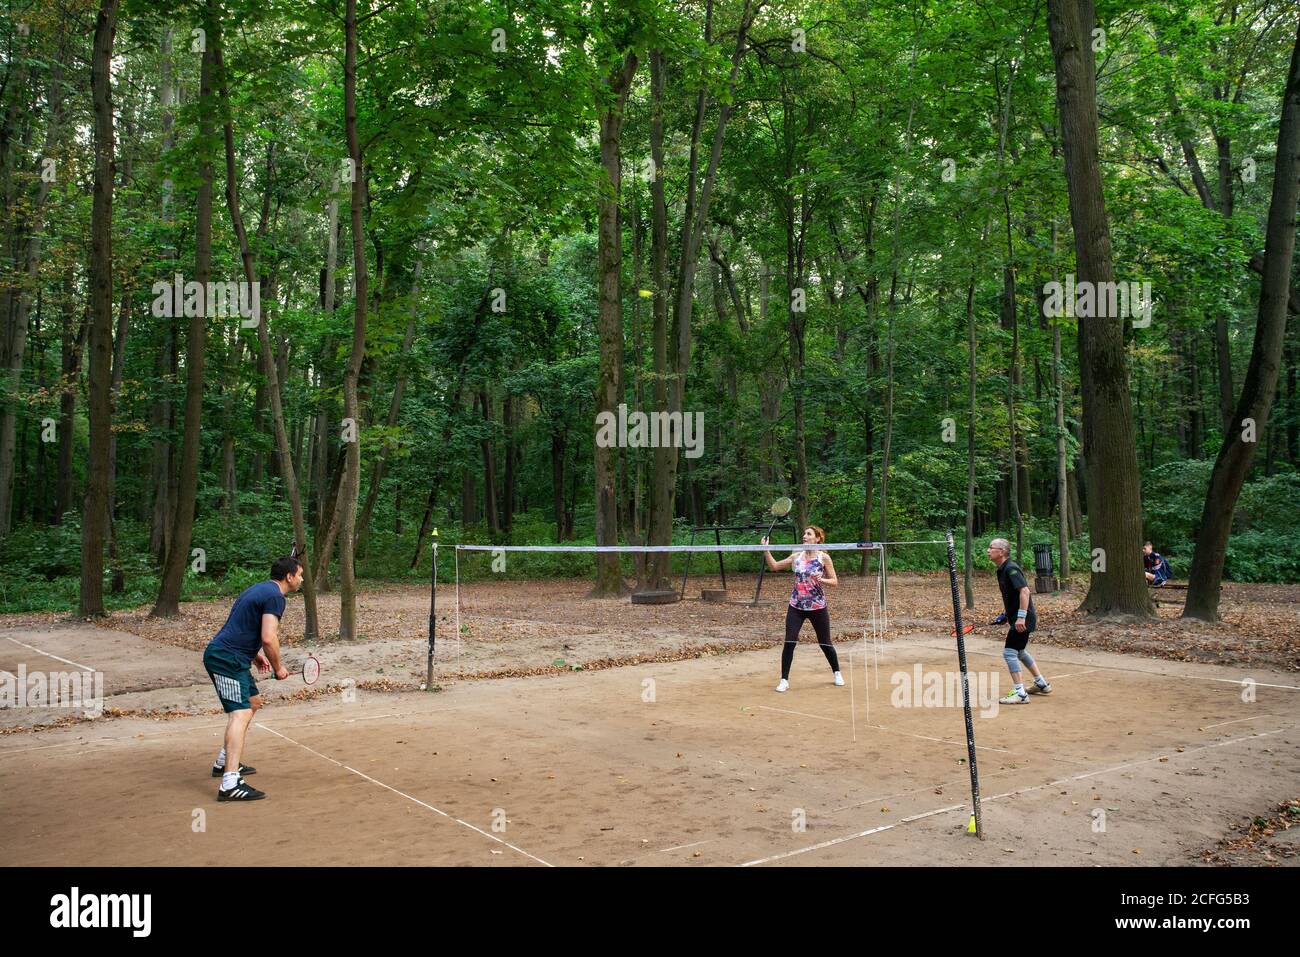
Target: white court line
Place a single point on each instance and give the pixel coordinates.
(98, 745)
(1136, 671)
(422, 804)
(217, 726)
(682, 847)
(925, 787)
(1239, 720)
(880, 727)
(1075, 674)
(852, 837)
(802, 714)
(299, 743)
(1132, 764)
(926, 737)
(1036, 787)
(1227, 681)
(49, 655)
(375, 717)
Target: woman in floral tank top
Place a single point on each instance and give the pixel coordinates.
(812, 570)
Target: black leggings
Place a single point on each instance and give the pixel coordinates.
(821, 620)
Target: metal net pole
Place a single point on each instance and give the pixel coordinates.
(965, 689)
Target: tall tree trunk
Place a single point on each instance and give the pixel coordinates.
(119, 367)
(1109, 451)
(14, 102)
(231, 375)
(257, 471)
(101, 319)
(663, 476)
(889, 327)
(1009, 321)
(440, 468)
(557, 479)
(489, 467)
(698, 198)
(1250, 421)
(1293, 408)
(40, 499)
(968, 554)
(30, 244)
(327, 531)
(468, 497)
(161, 413)
(178, 555)
(311, 626)
(352, 469)
(1223, 356)
(73, 348)
(1062, 474)
(770, 391)
(424, 526)
(118, 582)
(394, 410)
(1195, 415)
(508, 413)
(321, 443)
(609, 388)
(797, 325)
(870, 295)
(636, 528)
(889, 406)
(160, 422)
(320, 502)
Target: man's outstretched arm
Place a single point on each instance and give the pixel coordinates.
(271, 644)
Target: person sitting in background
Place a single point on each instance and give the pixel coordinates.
(1157, 569)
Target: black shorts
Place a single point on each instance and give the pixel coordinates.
(232, 679)
(1017, 640)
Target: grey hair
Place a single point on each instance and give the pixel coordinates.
(1002, 545)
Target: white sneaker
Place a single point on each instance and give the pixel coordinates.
(783, 686)
(839, 679)
(1015, 698)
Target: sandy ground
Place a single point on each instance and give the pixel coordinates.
(516, 628)
(667, 747)
(1260, 626)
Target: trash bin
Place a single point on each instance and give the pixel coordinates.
(1045, 580)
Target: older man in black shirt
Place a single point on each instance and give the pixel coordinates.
(1023, 619)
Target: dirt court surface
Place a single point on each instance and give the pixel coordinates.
(668, 746)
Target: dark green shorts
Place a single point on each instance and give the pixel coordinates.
(233, 681)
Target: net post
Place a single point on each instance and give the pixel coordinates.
(687, 573)
(722, 569)
(433, 614)
(965, 689)
(758, 580)
(884, 578)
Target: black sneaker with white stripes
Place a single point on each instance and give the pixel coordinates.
(243, 769)
(241, 792)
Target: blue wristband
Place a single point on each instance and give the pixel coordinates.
(1022, 613)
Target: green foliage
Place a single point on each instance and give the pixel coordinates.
(1266, 522)
(483, 166)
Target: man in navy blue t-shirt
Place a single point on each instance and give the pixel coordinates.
(251, 633)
